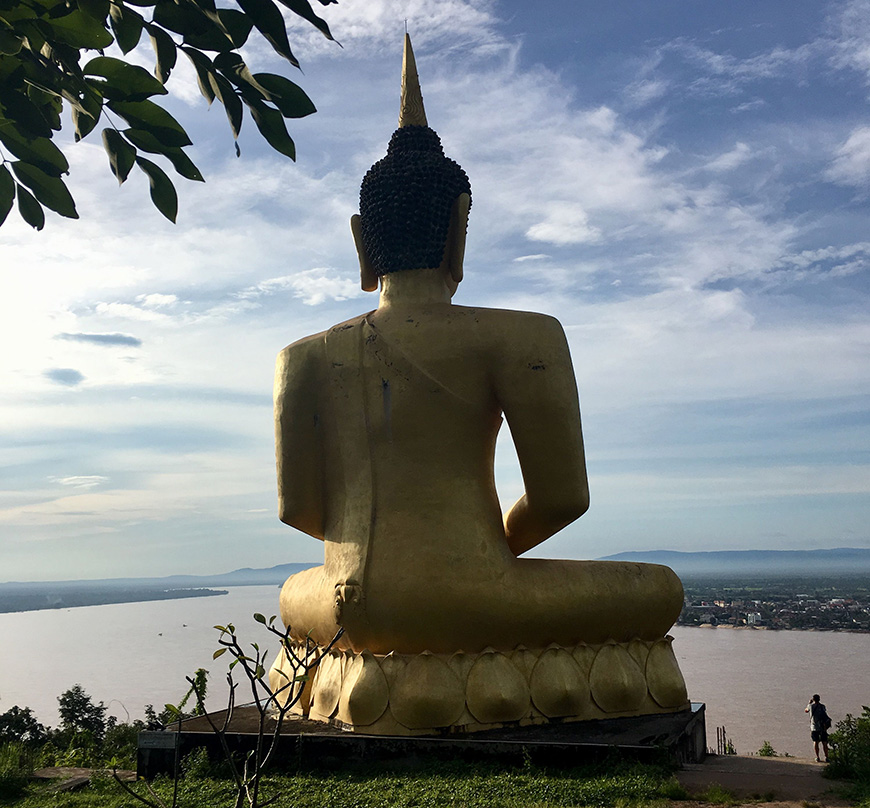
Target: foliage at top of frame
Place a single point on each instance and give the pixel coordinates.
(52, 56)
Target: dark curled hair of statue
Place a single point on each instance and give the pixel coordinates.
(406, 199)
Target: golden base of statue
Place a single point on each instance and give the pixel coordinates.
(404, 694)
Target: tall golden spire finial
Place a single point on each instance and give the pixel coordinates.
(411, 112)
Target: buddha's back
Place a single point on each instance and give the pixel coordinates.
(430, 385)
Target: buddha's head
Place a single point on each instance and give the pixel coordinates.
(414, 201)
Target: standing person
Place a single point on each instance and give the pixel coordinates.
(819, 725)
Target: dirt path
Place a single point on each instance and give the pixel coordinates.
(775, 781)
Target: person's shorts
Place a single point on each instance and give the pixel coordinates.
(819, 735)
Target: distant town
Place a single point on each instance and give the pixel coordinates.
(823, 604)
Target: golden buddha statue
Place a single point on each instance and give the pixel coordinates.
(385, 429)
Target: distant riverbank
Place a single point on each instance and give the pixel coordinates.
(36, 598)
(730, 627)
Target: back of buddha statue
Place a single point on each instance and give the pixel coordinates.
(408, 407)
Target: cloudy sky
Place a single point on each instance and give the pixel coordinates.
(683, 184)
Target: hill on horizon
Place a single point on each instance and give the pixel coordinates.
(752, 563)
(246, 576)
(757, 563)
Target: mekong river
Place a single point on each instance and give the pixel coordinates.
(755, 683)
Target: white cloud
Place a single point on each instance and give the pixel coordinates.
(851, 164)
(315, 286)
(724, 73)
(645, 91)
(80, 481)
(536, 257)
(731, 159)
(128, 311)
(564, 224)
(850, 24)
(156, 301)
(312, 286)
(445, 24)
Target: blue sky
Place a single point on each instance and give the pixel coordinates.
(683, 184)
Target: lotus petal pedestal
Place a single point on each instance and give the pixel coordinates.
(397, 694)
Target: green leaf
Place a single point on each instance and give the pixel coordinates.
(10, 42)
(127, 25)
(259, 618)
(234, 663)
(220, 628)
(79, 30)
(124, 82)
(27, 116)
(30, 210)
(269, 21)
(162, 190)
(84, 124)
(86, 114)
(49, 105)
(232, 103)
(271, 126)
(165, 51)
(261, 671)
(40, 151)
(7, 193)
(147, 115)
(50, 191)
(304, 10)
(180, 161)
(290, 98)
(236, 24)
(233, 68)
(219, 653)
(198, 28)
(121, 154)
(98, 9)
(204, 68)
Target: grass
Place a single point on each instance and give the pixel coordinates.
(613, 785)
(717, 795)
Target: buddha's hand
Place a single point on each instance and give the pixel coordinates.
(347, 594)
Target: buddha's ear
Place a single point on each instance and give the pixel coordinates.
(367, 276)
(456, 241)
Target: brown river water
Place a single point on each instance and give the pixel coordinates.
(755, 683)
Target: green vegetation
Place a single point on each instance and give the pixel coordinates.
(850, 756)
(86, 737)
(613, 783)
(767, 750)
(717, 795)
(52, 56)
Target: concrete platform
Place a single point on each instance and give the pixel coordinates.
(682, 736)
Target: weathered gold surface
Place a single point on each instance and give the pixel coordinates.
(385, 432)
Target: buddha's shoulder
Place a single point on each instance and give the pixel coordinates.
(313, 346)
(510, 322)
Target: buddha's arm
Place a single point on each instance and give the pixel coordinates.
(538, 393)
(297, 450)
